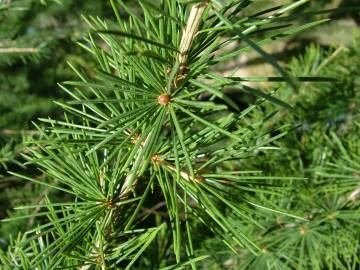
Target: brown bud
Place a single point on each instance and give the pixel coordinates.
(279, 221)
(156, 158)
(164, 99)
(109, 204)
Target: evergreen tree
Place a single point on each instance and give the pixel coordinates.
(154, 164)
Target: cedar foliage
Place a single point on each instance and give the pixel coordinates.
(153, 154)
(36, 40)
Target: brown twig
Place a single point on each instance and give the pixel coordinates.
(190, 31)
(19, 50)
(15, 132)
(153, 210)
(188, 37)
(354, 195)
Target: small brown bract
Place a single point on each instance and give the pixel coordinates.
(109, 204)
(156, 158)
(200, 179)
(302, 230)
(164, 99)
(135, 139)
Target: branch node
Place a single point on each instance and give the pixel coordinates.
(164, 99)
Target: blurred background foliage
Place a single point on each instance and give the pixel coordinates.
(324, 149)
(38, 38)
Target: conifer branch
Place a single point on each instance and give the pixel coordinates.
(131, 179)
(154, 128)
(183, 173)
(10, 132)
(190, 32)
(19, 50)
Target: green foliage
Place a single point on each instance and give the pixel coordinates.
(36, 40)
(324, 149)
(155, 166)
